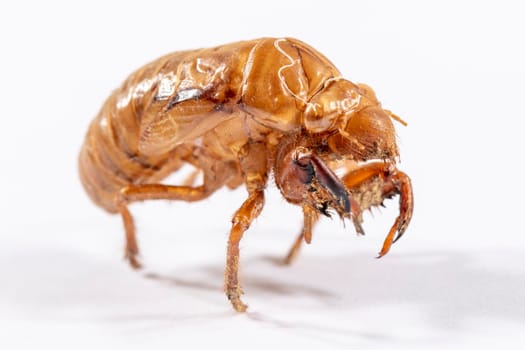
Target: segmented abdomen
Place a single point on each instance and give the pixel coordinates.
(106, 165)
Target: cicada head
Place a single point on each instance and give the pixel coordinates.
(362, 129)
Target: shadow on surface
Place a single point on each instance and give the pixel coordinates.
(448, 287)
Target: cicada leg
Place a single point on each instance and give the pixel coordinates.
(142, 192)
(371, 184)
(242, 219)
(254, 167)
(310, 218)
(368, 185)
(190, 179)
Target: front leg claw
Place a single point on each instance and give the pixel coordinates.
(403, 187)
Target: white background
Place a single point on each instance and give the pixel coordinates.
(455, 71)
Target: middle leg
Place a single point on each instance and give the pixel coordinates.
(254, 165)
(310, 217)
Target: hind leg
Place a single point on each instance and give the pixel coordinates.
(136, 193)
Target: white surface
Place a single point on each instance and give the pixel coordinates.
(454, 71)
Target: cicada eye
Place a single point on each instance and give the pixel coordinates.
(367, 92)
(369, 134)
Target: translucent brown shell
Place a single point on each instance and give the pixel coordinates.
(238, 113)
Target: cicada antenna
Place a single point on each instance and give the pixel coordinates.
(396, 117)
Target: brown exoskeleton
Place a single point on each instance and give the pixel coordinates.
(238, 113)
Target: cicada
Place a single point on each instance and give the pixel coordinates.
(240, 113)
